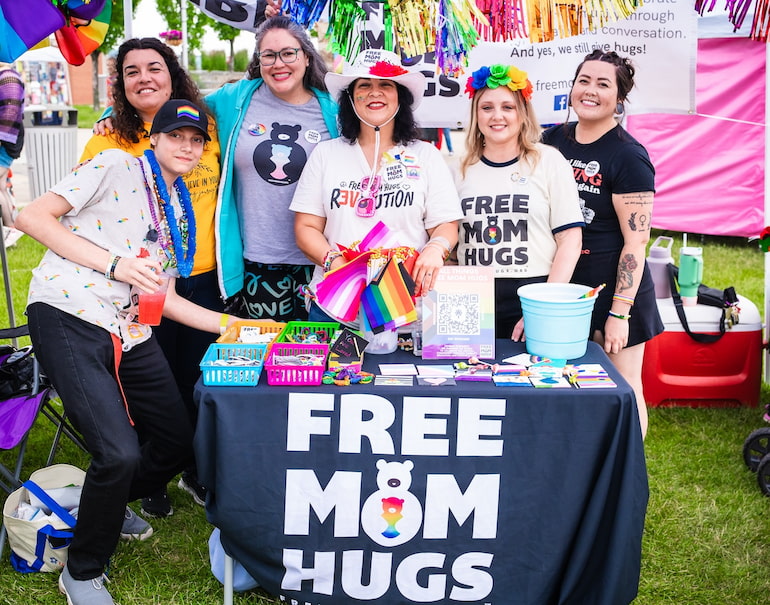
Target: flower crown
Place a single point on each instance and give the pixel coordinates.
(499, 75)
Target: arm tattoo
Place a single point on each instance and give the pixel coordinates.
(639, 222)
(626, 268)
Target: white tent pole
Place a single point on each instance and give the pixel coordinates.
(767, 200)
(185, 39)
(128, 19)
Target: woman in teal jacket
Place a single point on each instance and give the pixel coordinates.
(266, 134)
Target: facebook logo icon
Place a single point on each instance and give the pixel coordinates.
(559, 102)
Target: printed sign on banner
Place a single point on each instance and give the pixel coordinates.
(661, 39)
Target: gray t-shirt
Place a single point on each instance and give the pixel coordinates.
(273, 145)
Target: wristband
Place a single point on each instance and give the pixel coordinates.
(618, 315)
(623, 299)
(330, 257)
(444, 250)
(112, 264)
(223, 320)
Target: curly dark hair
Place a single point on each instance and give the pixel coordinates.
(405, 129)
(316, 69)
(126, 122)
(624, 70)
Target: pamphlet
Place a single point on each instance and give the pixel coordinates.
(458, 315)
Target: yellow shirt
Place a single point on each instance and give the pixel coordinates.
(202, 183)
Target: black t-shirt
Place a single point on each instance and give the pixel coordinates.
(615, 163)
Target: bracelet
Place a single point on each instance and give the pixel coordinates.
(618, 315)
(444, 251)
(112, 264)
(623, 299)
(329, 258)
(223, 321)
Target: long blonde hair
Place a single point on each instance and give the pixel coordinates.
(529, 133)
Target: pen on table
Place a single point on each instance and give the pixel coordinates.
(593, 291)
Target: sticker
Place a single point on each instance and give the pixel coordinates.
(394, 173)
(592, 168)
(257, 130)
(312, 136)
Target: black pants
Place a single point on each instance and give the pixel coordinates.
(127, 462)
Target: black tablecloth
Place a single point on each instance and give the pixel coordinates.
(459, 494)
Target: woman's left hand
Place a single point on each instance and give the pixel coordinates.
(615, 335)
(426, 269)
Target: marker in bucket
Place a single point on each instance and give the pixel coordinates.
(593, 291)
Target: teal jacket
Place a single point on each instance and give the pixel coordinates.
(229, 105)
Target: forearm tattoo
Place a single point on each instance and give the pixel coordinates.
(626, 268)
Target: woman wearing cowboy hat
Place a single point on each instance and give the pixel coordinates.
(378, 171)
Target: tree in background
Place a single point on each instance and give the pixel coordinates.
(226, 33)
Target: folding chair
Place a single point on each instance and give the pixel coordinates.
(17, 416)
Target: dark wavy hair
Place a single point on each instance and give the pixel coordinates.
(405, 129)
(316, 69)
(125, 120)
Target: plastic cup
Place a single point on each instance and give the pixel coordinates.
(151, 304)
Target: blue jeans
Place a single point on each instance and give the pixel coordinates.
(127, 462)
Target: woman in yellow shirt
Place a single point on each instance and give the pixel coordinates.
(148, 75)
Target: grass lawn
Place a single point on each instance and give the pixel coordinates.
(707, 527)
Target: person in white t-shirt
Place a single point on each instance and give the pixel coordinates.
(378, 170)
(520, 201)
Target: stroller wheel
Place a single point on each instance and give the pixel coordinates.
(755, 447)
(763, 475)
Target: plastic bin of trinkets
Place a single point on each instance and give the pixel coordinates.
(290, 364)
(235, 365)
(309, 332)
(252, 331)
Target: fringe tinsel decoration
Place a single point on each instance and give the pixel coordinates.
(414, 24)
(305, 12)
(456, 34)
(737, 11)
(505, 20)
(345, 18)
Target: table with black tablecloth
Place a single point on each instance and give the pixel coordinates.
(470, 493)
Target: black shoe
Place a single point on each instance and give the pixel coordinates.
(189, 483)
(158, 505)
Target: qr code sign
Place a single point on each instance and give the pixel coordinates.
(458, 314)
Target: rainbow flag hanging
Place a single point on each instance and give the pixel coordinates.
(387, 301)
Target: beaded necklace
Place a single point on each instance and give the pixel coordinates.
(182, 244)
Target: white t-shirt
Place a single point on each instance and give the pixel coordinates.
(416, 192)
(110, 208)
(512, 211)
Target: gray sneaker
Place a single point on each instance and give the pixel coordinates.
(84, 592)
(134, 527)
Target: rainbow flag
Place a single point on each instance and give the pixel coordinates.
(339, 292)
(387, 302)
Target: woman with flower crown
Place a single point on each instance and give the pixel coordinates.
(520, 203)
(378, 170)
(111, 227)
(617, 187)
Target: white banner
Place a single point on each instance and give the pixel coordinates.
(660, 38)
(237, 13)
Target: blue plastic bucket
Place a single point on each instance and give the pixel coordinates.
(556, 320)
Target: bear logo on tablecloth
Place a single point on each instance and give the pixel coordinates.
(392, 515)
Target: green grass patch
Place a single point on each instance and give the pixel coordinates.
(706, 531)
(87, 116)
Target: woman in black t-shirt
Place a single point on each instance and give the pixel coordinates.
(616, 181)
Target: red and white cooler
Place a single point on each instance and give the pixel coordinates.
(678, 371)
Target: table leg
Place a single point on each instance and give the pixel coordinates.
(228, 580)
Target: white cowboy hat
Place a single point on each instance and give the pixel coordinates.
(378, 64)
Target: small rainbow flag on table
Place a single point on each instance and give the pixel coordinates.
(387, 301)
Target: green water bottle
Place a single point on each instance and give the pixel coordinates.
(690, 274)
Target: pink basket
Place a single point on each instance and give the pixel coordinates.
(295, 375)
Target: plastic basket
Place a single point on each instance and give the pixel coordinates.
(297, 375)
(265, 326)
(295, 329)
(216, 374)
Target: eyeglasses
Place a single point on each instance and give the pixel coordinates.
(287, 55)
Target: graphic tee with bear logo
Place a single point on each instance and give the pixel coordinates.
(273, 145)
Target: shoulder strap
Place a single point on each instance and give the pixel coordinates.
(696, 336)
(57, 510)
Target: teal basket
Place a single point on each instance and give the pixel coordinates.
(218, 372)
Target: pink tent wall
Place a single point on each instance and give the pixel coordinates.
(710, 167)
